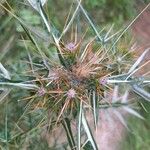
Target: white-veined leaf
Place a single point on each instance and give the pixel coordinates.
(141, 92)
(35, 3)
(88, 132)
(4, 94)
(115, 94)
(5, 72)
(108, 31)
(133, 112)
(135, 65)
(120, 117)
(125, 97)
(79, 126)
(95, 114)
(90, 21)
(6, 75)
(21, 85)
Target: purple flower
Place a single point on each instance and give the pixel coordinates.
(70, 46)
(71, 93)
(103, 81)
(41, 92)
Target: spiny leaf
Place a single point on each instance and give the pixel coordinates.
(125, 97)
(90, 21)
(4, 71)
(62, 60)
(79, 126)
(106, 36)
(15, 84)
(88, 132)
(115, 94)
(4, 94)
(35, 43)
(95, 113)
(133, 112)
(28, 34)
(126, 28)
(111, 36)
(120, 117)
(140, 91)
(140, 59)
(67, 127)
(38, 5)
(6, 75)
(71, 20)
(34, 3)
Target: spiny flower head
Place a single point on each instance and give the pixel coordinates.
(71, 93)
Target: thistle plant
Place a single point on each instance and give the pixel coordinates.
(78, 75)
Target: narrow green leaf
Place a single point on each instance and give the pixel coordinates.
(126, 28)
(90, 21)
(141, 92)
(133, 112)
(28, 34)
(36, 45)
(4, 94)
(139, 60)
(88, 131)
(79, 126)
(4, 71)
(67, 126)
(106, 36)
(21, 85)
(34, 3)
(95, 113)
(120, 117)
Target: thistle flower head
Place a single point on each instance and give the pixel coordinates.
(41, 91)
(103, 81)
(71, 93)
(70, 46)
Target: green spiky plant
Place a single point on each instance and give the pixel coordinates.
(72, 77)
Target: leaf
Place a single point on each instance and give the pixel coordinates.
(36, 45)
(106, 36)
(62, 60)
(115, 94)
(95, 113)
(119, 77)
(71, 20)
(6, 74)
(135, 65)
(88, 132)
(125, 97)
(28, 34)
(38, 5)
(120, 117)
(112, 36)
(35, 3)
(79, 126)
(67, 127)
(133, 112)
(9, 83)
(90, 22)
(140, 91)
(130, 24)
(4, 94)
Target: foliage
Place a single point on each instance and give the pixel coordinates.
(63, 75)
